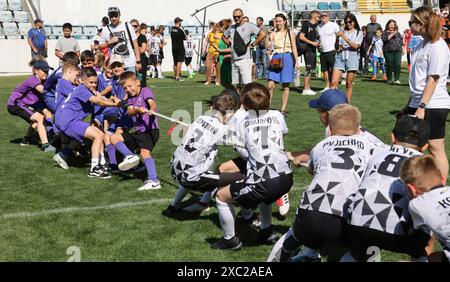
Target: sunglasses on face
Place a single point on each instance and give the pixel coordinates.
(237, 17)
(135, 26)
(113, 15)
(324, 16)
(348, 22)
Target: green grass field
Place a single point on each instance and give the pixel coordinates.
(44, 210)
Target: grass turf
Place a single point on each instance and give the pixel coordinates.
(31, 182)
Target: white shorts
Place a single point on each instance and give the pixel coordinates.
(242, 71)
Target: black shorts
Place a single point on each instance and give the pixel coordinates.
(436, 118)
(310, 60)
(316, 229)
(327, 61)
(254, 56)
(24, 113)
(141, 140)
(178, 55)
(251, 195)
(209, 181)
(364, 238)
(154, 60)
(241, 164)
(188, 61)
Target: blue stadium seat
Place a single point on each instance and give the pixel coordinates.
(15, 5)
(335, 6)
(311, 6)
(10, 28)
(90, 31)
(24, 28)
(300, 5)
(6, 16)
(3, 5)
(21, 16)
(77, 31)
(323, 6)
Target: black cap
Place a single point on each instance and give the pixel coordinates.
(412, 130)
(113, 11)
(177, 20)
(38, 21)
(42, 65)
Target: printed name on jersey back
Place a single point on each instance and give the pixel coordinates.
(345, 143)
(266, 120)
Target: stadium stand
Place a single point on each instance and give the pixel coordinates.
(90, 31)
(15, 5)
(24, 28)
(3, 5)
(10, 28)
(6, 16)
(21, 16)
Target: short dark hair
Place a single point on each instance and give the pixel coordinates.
(69, 66)
(71, 57)
(379, 29)
(126, 76)
(224, 103)
(89, 72)
(256, 97)
(105, 21)
(259, 19)
(67, 26)
(87, 55)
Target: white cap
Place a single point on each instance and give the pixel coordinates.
(116, 59)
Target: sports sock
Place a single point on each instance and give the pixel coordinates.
(206, 198)
(226, 217)
(290, 244)
(179, 196)
(151, 169)
(265, 212)
(123, 149)
(246, 213)
(94, 163)
(111, 151)
(311, 253)
(102, 159)
(348, 257)
(152, 70)
(159, 70)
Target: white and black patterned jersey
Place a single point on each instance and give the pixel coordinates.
(381, 202)
(196, 154)
(264, 142)
(153, 44)
(234, 132)
(189, 48)
(431, 212)
(339, 163)
(364, 133)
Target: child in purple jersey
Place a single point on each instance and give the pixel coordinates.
(26, 102)
(77, 107)
(140, 101)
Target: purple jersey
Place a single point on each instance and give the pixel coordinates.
(103, 83)
(143, 122)
(118, 90)
(51, 83)
(63, 89)
(75, 108)
(26, 94)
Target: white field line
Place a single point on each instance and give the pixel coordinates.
(83, 209)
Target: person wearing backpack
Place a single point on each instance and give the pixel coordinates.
(238, 37)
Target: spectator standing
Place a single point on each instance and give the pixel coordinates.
(327, 31)
(37, 39)
(212, 55)
(141, 31)
(371, 31)
(393, 46)
(261, 51)
(225, 56)
(67, 43)
(309, 36)
(119, 37)
(407, 35)
(238, 37)
(178, 37)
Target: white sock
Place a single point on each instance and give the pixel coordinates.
(179, 196)
(246, 213)
(226, 217)
(311, 253)
(94, 163)
(191, 71)
(102, 159)
(265, 212)
(159, 70)
(206, 198)
(152, 70)
(348, 257)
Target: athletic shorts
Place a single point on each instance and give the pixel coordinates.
(310, 60)
(24, 112)
(155, 60)
(437, 119)
(188, 61)
(327, 60)
(75, 129)
(178, 55)
(251, 195)
(241, 164)
(364, 237)
(141, 140)
(316, 229)
(209, 181)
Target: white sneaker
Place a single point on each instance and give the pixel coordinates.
(129, 162)
(308, 92)
(150, 185)
(283, 205)
(197, 207)
(344, 82)
(161, 76)
(325, 89)
(397, 82)
(60, 161)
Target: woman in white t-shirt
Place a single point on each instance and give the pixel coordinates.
(428, 81)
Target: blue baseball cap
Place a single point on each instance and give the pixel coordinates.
(329, 99)
(42, 65)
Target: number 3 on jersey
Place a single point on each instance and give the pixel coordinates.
(346, 156)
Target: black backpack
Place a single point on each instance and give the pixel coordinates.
(301, 46)
(239, 46)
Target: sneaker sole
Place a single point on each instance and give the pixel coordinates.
(99, 177)
(129, 165)
(236, 248)
(60, 163)
(149, 189)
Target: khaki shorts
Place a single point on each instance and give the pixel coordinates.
(242, 71)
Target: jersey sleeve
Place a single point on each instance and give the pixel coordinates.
(85, 95)
(438, 60)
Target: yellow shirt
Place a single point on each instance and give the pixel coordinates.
(279, 45)
(214, 40)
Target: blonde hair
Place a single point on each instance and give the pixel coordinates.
(420, 170)
(345, 119)
(100, 59)
(430, 21)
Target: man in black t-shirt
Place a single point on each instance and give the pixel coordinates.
(308, 35)
(178, 36)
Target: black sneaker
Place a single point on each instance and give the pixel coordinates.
(233, 244)
(99, 172)
(267, 236)
(171, 210)
(25, 142)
